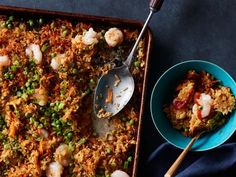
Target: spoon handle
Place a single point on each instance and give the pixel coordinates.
(154, 6)
(178, 161)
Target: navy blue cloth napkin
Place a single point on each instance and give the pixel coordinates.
(218, 162)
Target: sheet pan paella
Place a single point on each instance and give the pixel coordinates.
(48, 71)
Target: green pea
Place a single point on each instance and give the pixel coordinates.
(68, 123)
(40, 21)
(109, 151)
(25, 72)
(129, 159)
(11, 76)
(9, 26)
(58, 126)
(86, 92)
(61, 105)
(34, 84)
(82, 141)
(36, 124)
(59, 133)
(27, 84)
(11, 18)
(137, 64)
(44, 47)
(64, 33)
(31, 119)
(53, 55)
(54, 115)
(200, 107)
(17, 113)
(30, 91)
(16, 63)
(24, 96)
(126, 165)
(92, 81)
(7, 75)
(36, 77)
(57, 122)
(69, 135)
(47, 112)
(8, 22)
(13, 68)
(131, 122)
(18, 93)
(31, 22)
(53, 124)
(1, 136)
(42, 118)
(40, 126)
(64, 124)
(27, 114)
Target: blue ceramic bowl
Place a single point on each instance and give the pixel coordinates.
(164, 89)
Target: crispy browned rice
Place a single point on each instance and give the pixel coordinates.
(42, 108)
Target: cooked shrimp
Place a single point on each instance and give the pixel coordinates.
(4, 61)
(202, 107)
(33, 51)
(62, 155)
(90, 37)
(114, 37)
(119, 173)
(57, 61)
(55, 169)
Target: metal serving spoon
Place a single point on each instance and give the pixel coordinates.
(118, 83)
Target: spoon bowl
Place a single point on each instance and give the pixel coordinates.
(119, 86)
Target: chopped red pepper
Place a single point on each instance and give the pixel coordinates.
(179, 104)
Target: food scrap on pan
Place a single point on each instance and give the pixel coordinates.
(201, 103)
(48, 72)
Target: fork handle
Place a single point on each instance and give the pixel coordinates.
(155, 5)
(178, 161)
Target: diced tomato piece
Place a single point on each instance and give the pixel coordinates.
(179, 104)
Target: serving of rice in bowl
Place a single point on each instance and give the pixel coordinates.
(192, 97)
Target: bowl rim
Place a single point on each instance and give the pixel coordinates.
(152, 95)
